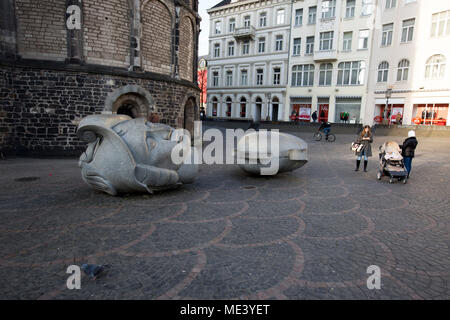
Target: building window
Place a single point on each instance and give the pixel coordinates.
(297, 46)
(259, 77)
(408, 30)
(435, 67)
(350, 9)
(243, 107)
(309, 45)
(215, 79)
(217, 27)
(262, 45)
(302, 75)
(403, 69)
(280, 16)
(367, 7)
(351, 73)
(232, 25)
(386, 39)
(246, 47)
(383, 70)
(231, 48)
(276, 76)
(312, 12)
(229, 107)
(279, 43)
(363, 41)
(263, 19)
(214, 106)
(326, 41)
(391, 4)
(347, 41)
(229, 78)
(298, 17)
(440, 24)
(217, 50)
(325, 73)
(244, 77)
(247, 22)
(328, 9)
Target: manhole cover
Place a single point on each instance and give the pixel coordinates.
(249, 187)
(26, 179)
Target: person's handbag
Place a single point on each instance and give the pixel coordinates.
(357, 147)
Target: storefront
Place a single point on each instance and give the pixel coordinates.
(434, 114)
(392, 114)
(323, 108)
(301, 109)
(348, 109)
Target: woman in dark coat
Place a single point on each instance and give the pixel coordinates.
(365, 138)
(408, 148)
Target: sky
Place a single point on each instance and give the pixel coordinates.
(202, 7)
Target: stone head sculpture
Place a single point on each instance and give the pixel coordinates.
(130, 155)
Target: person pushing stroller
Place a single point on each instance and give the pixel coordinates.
(408, 147)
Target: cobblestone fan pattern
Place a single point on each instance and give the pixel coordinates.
(309, 234)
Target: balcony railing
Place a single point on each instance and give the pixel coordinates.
(244, 33)
(325, 55)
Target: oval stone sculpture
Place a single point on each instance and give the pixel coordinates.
(127, 155)
(271, 152)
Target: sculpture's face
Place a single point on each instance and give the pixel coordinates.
(126, 154)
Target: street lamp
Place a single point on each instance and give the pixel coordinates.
(388, 95)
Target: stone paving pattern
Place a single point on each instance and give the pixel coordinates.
(309, 234)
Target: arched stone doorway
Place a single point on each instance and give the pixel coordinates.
(189, 116)
(130, 100)
(132, 105)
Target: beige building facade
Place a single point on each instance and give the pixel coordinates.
(411, 50)
(350, 61)
(329, 58)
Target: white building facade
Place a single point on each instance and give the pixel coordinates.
(410, 58)
(248, 59)
(329, 58)
(351, 61)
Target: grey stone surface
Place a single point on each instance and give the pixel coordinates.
(268, 153)
(306, 234)
(130, 155)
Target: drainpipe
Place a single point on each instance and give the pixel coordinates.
(286, 105)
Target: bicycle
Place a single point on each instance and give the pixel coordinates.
(318, 136)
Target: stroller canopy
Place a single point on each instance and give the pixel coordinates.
(391, 150)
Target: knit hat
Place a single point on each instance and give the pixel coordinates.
(411, 133)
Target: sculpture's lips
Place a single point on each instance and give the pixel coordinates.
(89, 154)
(96, 181)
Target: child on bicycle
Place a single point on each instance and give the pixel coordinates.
(325, 127)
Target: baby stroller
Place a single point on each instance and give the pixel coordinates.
(391, 163)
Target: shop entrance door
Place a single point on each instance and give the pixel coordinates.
(323, 112)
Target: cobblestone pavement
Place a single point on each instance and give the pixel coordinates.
(309, 234)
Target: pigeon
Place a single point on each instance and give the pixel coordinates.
(94, 270)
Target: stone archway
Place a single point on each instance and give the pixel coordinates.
(189, 116)
(130, 100)
(132, 105)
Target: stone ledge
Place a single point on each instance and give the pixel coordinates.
(91, 68)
